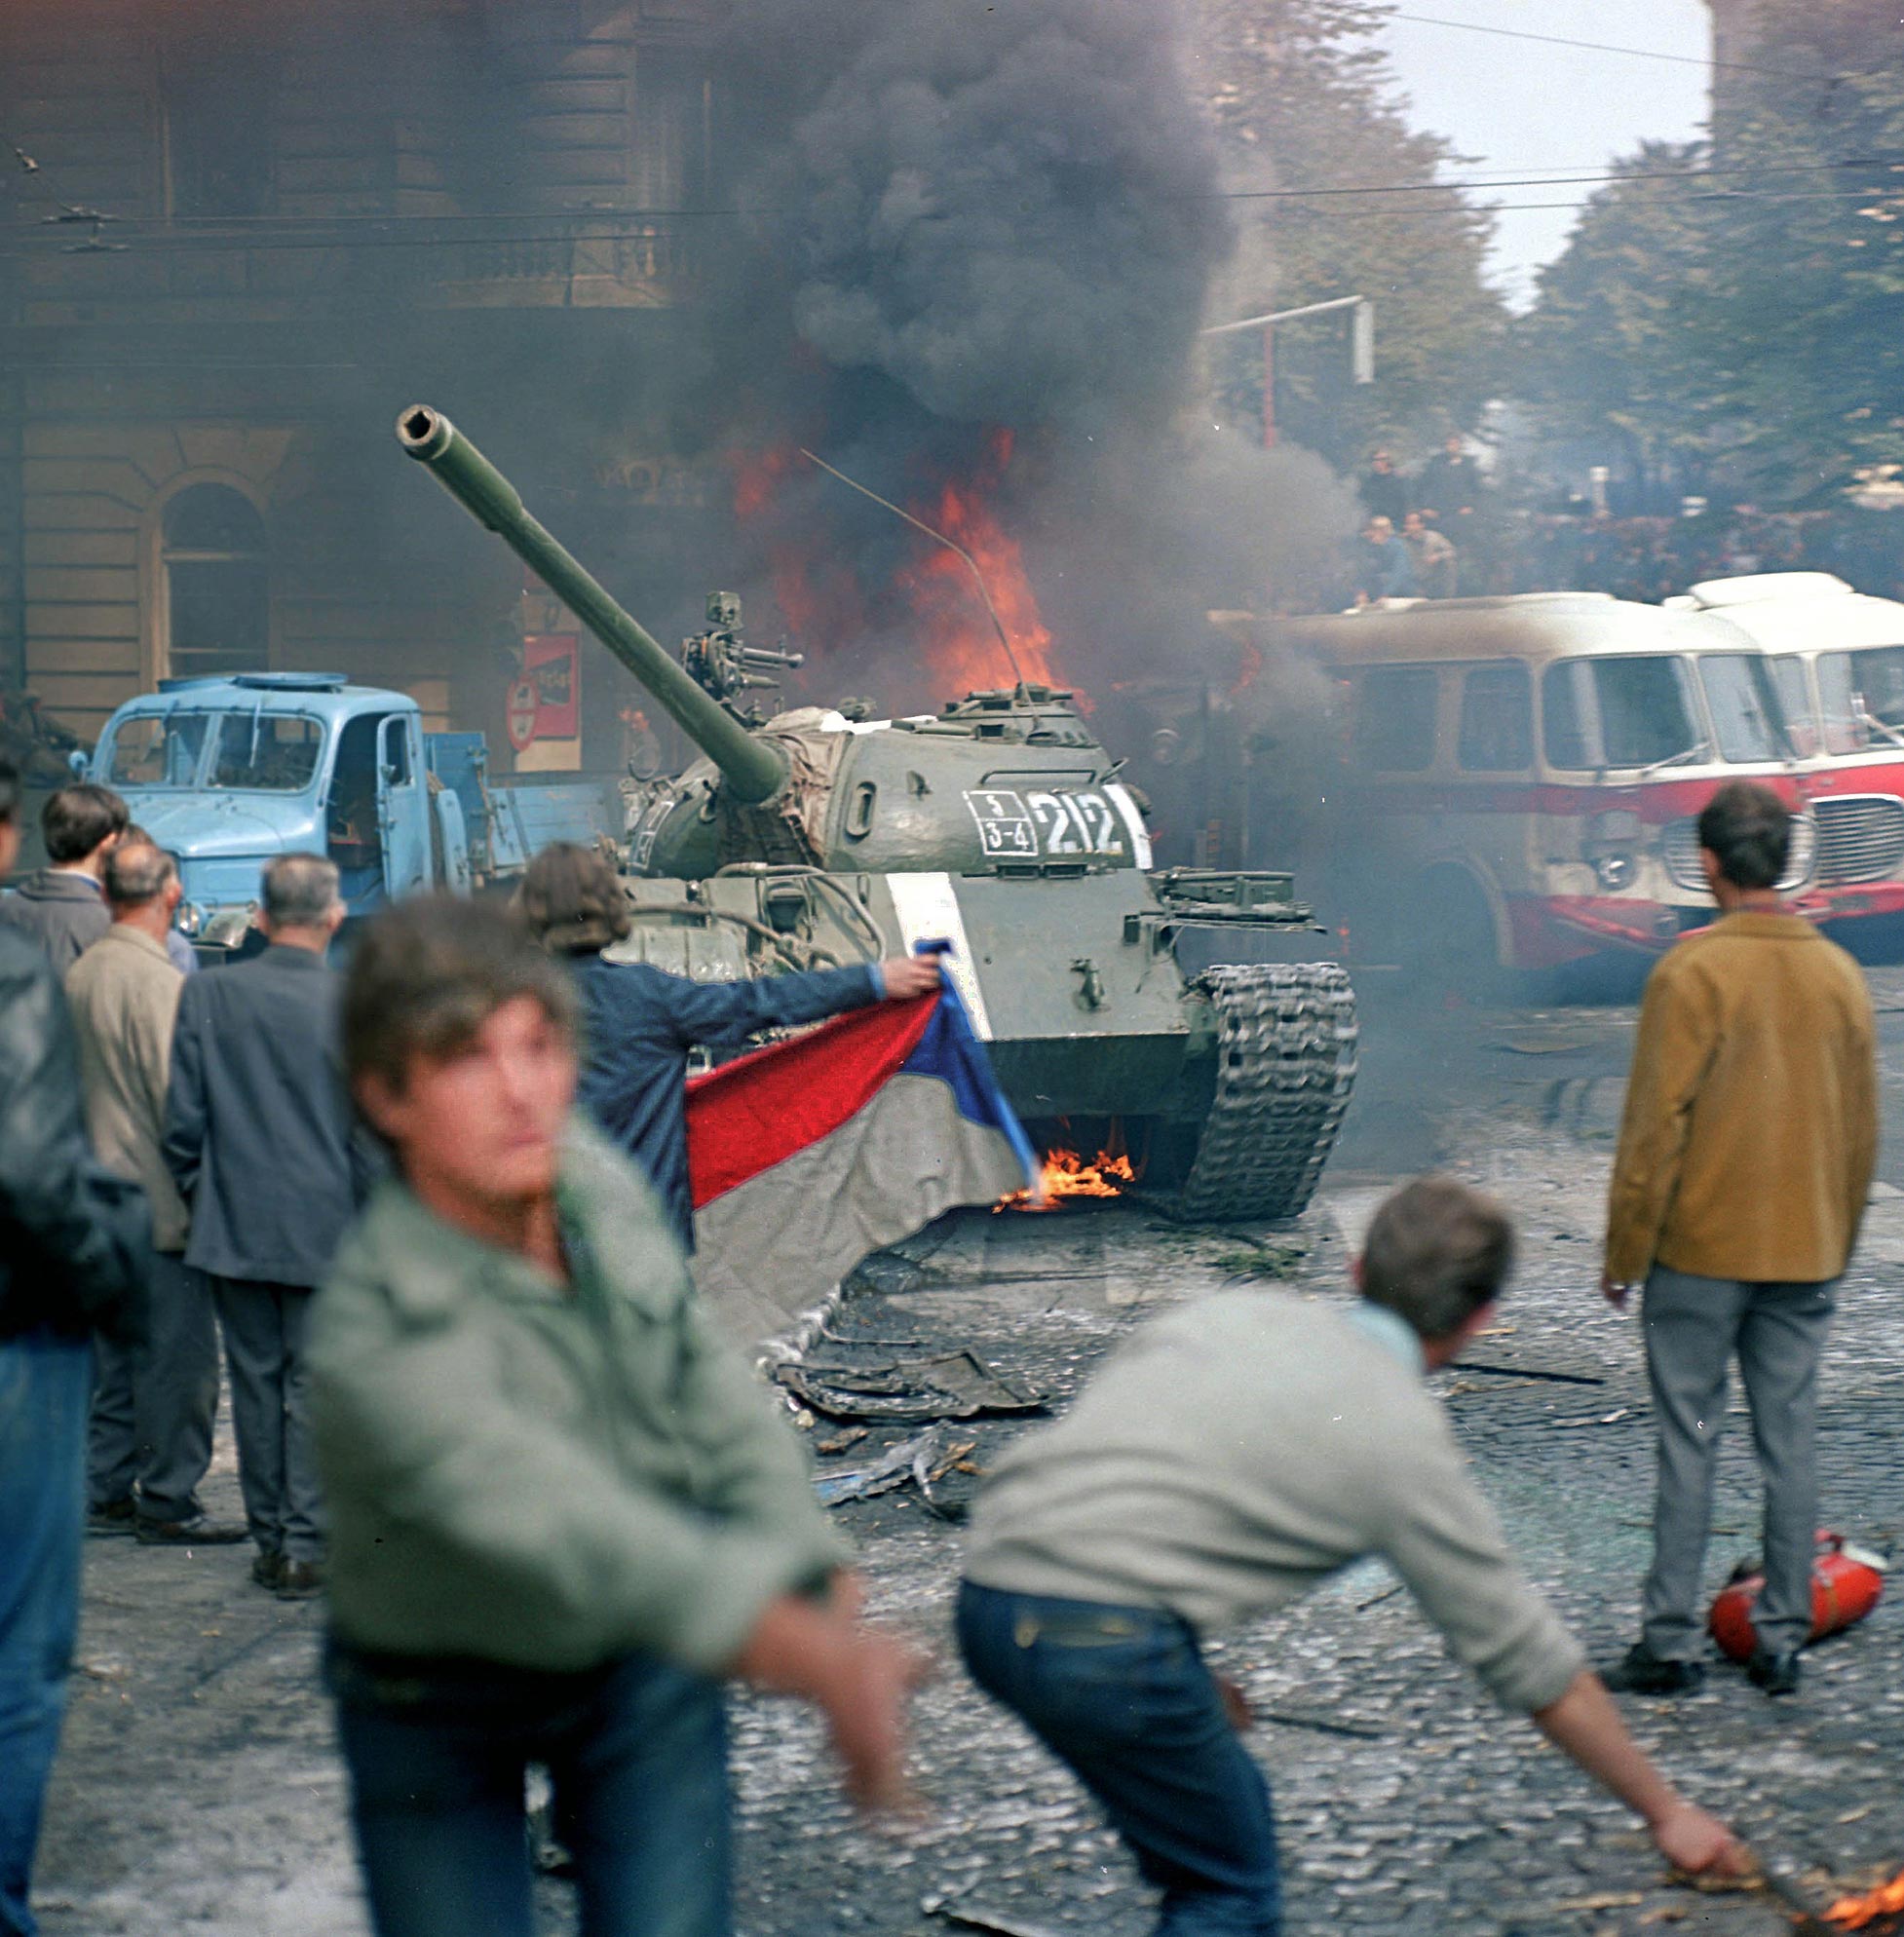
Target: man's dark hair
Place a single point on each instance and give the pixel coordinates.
(299, 890)
(1437, 1253)
(76, 819)
(573, 901)
(9, 791)
(138, 873)
(429, 972)
(1748, 831)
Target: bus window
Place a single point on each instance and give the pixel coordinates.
(1866, 690)
(1497, 720)
(1394, 720)
(1745, 712)
(1795, 702)
(1619, 712)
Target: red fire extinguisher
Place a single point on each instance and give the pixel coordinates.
(1846, 1582)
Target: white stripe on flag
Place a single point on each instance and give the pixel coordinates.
(927, 908)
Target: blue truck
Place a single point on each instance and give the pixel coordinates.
(225, 772)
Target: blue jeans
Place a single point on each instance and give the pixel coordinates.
(439, 1751)
(1121, 1695)
(46, 1383)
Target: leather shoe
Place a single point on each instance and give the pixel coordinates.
(299, 1579)
(112, 1517)
(200, 1530)
(266, 1568)
(1644, 1673)
(1776, 1674)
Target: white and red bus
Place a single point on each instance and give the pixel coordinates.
(1837, 659)
(1519, 778)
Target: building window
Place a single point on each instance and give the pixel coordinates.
(218, 127)
(218, 593)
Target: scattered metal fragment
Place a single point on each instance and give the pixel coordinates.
(1527, 1371)
(1321, 1724)
(892, 1468)
(1593, 1419)
(976, 1917)
(1604, 1900)
(954, 1384)
(1375, 1600)
(846, 1437)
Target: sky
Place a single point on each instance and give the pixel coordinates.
(1524, 107)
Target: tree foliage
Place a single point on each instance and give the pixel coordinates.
(1746, 319)
(1301, 97)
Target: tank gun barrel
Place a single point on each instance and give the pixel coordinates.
(756, 770)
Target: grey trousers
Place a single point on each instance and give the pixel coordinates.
(149, 1434)
(1693, 1326)
(277, 1472)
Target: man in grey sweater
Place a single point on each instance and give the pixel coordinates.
(1229, 1457)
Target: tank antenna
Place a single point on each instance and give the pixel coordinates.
(938, 538)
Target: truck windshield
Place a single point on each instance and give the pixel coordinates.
(1619, 712)
(269, 752)
(157, 751)
(1745, 713)
(1863, 699)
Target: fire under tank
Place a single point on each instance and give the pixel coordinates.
(1183, 1017)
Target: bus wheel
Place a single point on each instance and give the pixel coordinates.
(1453, 948)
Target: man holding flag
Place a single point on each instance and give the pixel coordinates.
(640, 1023)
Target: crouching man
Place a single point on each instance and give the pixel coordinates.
(563, 1515)
(1228, 1459)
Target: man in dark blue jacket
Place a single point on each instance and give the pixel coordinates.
(258, 1140)
(73, 1242)
(640, 1023)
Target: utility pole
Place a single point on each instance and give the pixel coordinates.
(1361, 344)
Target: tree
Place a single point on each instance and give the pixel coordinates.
(1301, 101)
(1748, 315)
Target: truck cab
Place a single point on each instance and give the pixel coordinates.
(227, 773)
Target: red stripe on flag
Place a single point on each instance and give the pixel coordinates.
(749, 1115)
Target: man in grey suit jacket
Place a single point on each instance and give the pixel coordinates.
(258, 1141)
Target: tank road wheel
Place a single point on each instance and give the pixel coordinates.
(1285, 1065)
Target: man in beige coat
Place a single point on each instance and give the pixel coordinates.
(153, 1405)
(1744, 1162)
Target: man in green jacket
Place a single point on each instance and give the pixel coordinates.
(563, 1514)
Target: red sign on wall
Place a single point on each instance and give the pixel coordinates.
(552, 662)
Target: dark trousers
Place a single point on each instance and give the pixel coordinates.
(43, 1383)
(438, 1752)
(1121, 1695)
(154, 1404)
(270, 1414)
(1693, 1328)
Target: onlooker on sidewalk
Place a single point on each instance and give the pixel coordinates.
(640, 1022)
(258, 1141)
(1744, 1161)
(562, 1512)
(153, 1405)
(73, 1239)
(63, 905)
(1231, 1457)
(1382, 566)
(1433, 558)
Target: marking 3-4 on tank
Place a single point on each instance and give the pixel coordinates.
(1191, 1018)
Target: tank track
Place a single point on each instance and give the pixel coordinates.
(1285, 1065)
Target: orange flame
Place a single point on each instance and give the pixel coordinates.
(1859, 1913)
(1066, 1175)
(961, 646)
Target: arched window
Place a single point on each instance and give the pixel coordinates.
(217, 589)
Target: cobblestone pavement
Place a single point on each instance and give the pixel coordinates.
(199, 1792)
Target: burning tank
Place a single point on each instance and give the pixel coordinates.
(1182, 1018)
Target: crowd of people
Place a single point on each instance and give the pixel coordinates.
(1447, 532)
(477, 1406)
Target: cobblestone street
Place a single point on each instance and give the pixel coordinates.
(198, 1790)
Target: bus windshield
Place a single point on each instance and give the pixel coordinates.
(1746, 719)
(157, 751)
(1862, 694)
(1619, 712)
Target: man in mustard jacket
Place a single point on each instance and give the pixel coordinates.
(1744, 1162)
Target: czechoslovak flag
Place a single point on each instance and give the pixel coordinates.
(806, 1155)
